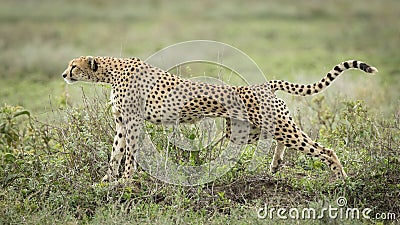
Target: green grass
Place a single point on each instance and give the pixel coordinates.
(51, 161)
(50, 174)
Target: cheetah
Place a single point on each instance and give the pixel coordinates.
(144, 92)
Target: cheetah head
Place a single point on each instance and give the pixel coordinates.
(81, 69)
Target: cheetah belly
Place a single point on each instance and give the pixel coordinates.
(191, 111)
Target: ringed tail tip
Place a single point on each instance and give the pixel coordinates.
(372, 70)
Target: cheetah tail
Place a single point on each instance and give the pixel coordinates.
(310, 89)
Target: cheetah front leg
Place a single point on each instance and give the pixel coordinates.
(133, 121)
(133, 131)
(118, 148)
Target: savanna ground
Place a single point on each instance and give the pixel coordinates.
(55, 139)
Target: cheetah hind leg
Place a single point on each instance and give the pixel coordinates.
(292, 137)
(278, 157)
(312, 148)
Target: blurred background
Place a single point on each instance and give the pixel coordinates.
(292, 40)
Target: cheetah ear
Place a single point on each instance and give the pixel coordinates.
(92, 62)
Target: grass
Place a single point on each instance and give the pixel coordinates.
(55, 139)
(50, 174)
